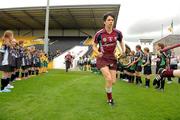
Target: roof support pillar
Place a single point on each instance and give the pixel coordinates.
(46, 39)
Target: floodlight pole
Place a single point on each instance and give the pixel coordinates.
(162, 27)
(46, 39)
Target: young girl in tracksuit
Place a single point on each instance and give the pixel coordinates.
(36, 62)
(6, 60)
(131, 67)
(162, 62)
(147, 66)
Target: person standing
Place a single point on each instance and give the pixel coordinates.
(107, 39)
(138, 62)
(173, 64)
(68, 61)
(147, 67)
(6, 60)
(162, 62)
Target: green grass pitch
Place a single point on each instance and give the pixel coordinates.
(80, 96)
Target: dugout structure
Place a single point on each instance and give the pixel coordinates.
(76, 20)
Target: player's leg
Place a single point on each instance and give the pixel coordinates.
(147, 81)
(108, 86)
(113, 75)
(67, 65)
(156, 81)
(5, 81)
(139, 74)
(138, 77)
(148, 72)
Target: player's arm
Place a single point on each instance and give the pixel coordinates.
(95, 48)
(120, 43)
(96, 45)
(137, 60)
(123, 47)
(170, 47)
(132, 63)
(148, 61)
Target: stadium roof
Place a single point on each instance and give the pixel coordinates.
(61, 17)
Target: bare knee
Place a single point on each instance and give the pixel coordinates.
(113, 81)
(109, 83)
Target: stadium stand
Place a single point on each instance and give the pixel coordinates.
(55, 43)
(88, 41)
(64, 43)
(28, 41)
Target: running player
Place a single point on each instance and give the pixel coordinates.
(68, 61)
(107, 39)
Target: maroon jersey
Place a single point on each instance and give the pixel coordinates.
(107, 42)
(68, 57)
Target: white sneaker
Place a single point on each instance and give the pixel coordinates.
(9, 86)
(169, 82)
(18, 78)
(6, 90)
(126, 80)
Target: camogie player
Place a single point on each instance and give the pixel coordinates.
(24, 64)
(68, 61)
(5, 60)
(168, 72)
(37, 62)
(18, 60)
(107, 39)
(80, 63)
(147, 66)
(13, 61)
(28, 62)
(138, 62)
(162, 62)
(131, 67)
(45, 63)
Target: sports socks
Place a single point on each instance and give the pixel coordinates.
(109, 93)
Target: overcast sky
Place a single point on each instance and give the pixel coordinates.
(137, 18)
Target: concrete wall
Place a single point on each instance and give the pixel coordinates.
(177, 51)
